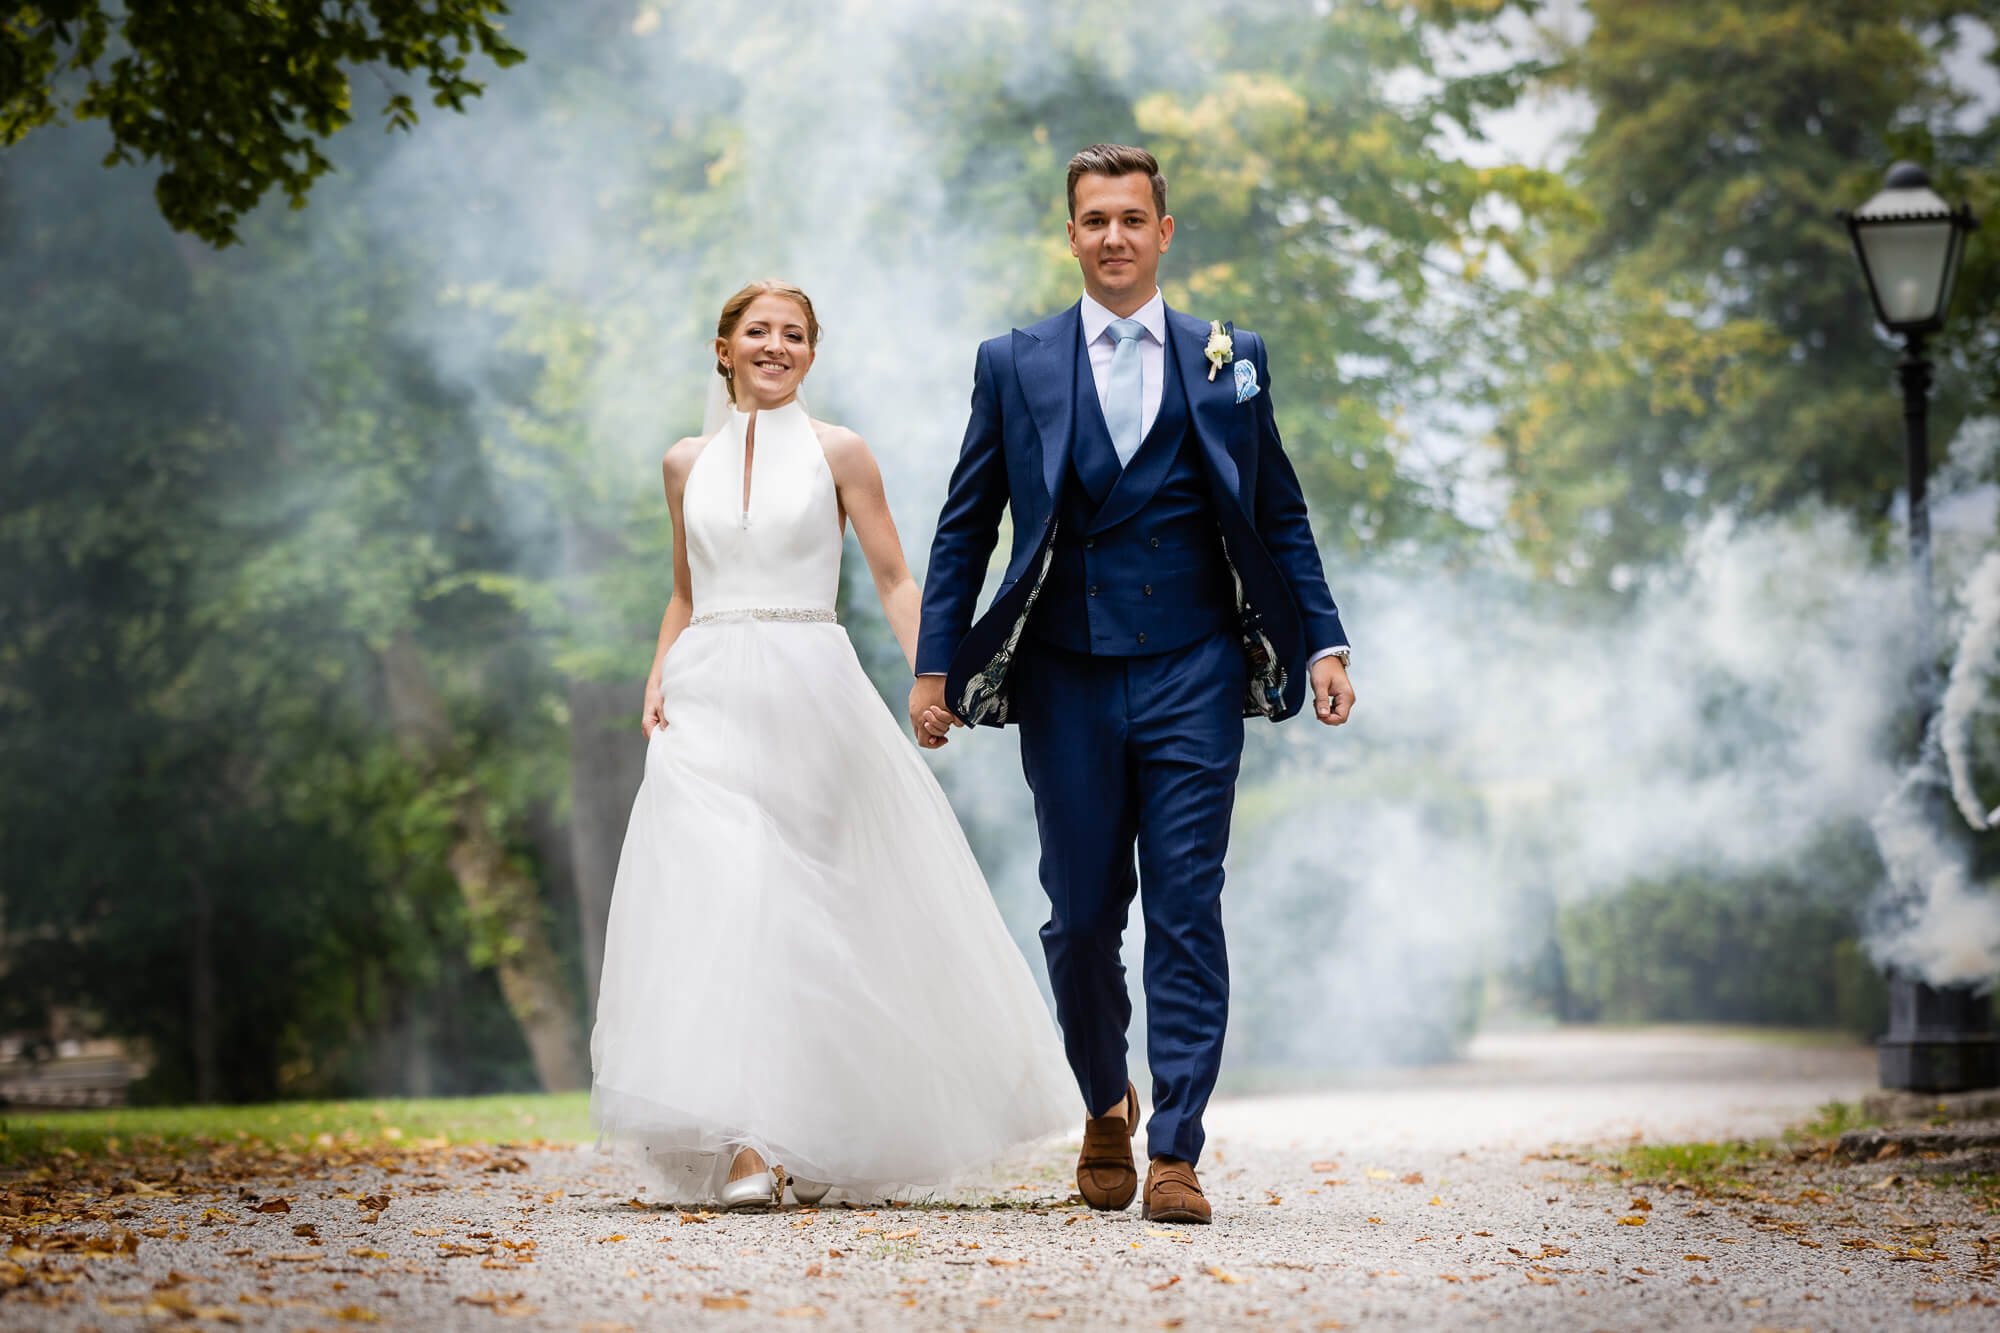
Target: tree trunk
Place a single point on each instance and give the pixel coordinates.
(606, 761)
(509, 931)
(202, 1014)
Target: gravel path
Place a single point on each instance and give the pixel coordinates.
(1426, 1200)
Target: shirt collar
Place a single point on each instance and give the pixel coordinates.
(1153, 315)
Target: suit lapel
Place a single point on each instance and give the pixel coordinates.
(1211, 403)
(1044, 363)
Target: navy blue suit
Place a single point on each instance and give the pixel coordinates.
(1145, 612)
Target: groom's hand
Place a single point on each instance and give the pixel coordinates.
(929, 718)
(1333, 693)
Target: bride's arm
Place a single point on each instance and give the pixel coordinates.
(859, 484)
(680, 607)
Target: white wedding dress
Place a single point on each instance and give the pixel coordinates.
(802, 955)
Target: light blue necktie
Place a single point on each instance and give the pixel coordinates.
(1124, 403)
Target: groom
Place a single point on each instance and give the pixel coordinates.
(1163, 585)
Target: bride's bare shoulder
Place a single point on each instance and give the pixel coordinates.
(840, 443)
(679, 458)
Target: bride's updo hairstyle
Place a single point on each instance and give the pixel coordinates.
(732, 315)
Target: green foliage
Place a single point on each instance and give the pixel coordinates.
(1698, 340)
(232, 99)
(1771, 948)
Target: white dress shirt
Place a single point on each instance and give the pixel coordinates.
(1152, 353)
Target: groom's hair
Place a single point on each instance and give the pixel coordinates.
(1117, 159)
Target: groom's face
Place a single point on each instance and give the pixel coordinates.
(1118, 237)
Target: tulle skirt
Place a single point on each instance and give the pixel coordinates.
(802, 955)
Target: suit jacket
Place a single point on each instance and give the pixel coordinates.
(1015, 457)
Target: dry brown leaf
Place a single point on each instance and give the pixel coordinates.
(1632, 1220)
(1162, 1286)
(1414, 1178)
(910, 1234)
(1220, 1276)
(802, 1312)
(1696, 1258)
(997, 1262)
(1321, 1168)
(724, 1303)
(273, 1206)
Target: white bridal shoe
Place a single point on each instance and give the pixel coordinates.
(760, 1189)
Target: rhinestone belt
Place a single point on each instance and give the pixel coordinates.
(803, 614)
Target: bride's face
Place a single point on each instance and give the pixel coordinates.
(768, 354)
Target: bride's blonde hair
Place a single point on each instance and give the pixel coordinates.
(732, 315)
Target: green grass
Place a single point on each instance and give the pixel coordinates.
(1703, 1165)
(27, 1138)
(1726, 1163)
(1832, 1120)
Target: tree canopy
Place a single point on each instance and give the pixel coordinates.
(232, 99)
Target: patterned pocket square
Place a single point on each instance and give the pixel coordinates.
(1246, 382)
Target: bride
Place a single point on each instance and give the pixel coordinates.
(804, 976)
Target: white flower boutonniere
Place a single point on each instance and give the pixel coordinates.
(1220, 349)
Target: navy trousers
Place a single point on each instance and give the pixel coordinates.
(1124, 753)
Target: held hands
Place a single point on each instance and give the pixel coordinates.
(654, 713)
(930, 719)
(1333, 693)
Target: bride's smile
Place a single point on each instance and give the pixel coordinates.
(768, 354)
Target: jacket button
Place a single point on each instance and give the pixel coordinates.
(1093, 590)
(1090, 543)
(1142, 638)
(1149, 590)
(1156, 543)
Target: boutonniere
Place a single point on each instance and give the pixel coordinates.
(1220, 348)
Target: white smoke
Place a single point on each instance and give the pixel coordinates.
(1968, 690)
(1514, 745)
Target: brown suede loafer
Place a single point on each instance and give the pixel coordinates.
(1173, 1194)
(1106, 1176)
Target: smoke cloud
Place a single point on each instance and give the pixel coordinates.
(1514, 745)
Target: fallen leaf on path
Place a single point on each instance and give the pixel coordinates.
(273, 1206)
(1414, 1178)
(1696, 1258)
(1162, 1286)
(1321, 1168)
(802, 1312)
(1376, 1173)
(911, 1234)
(1174, 1236)
(1632, 1220)
(1220, 1276)
(724, 1303)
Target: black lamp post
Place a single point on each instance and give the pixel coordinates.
(1909, 242)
